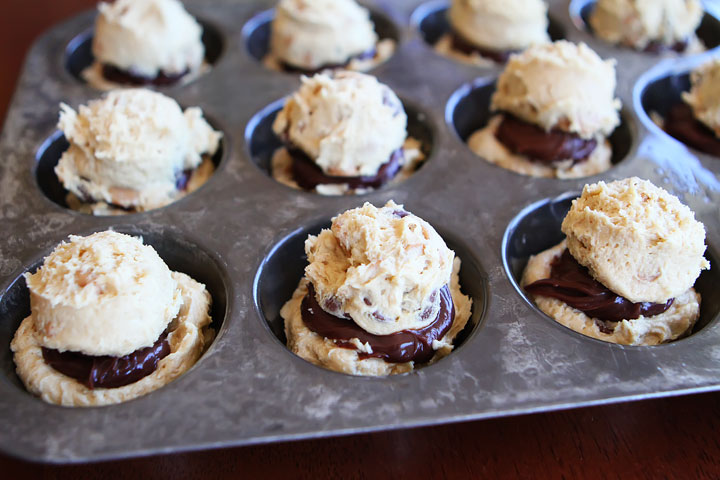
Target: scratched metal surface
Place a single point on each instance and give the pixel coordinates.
(242, 235)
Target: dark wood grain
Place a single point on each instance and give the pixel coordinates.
(666, 438)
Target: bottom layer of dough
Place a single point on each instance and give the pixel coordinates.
(281, 168)
(675, 322)
(486, 145)
(444, 46)
(324, 352)
(189, 336)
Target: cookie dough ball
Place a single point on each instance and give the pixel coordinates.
(560, 85)
(500, 25)
(704, 95)
(105, 294)
(130, 148)
(638, 23)
(349, 124)
(311, 34)
(148, 37)
(636, 239)
(381, 266)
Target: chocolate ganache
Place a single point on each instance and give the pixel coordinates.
(399, 347)
(366, 55)
(526, 139)
(571, 283)
(125, 77)
(309, 175)
(681, 123)
(105, 371)
(458, 43)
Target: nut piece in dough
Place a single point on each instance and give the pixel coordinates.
(311, 35)
(131, 151)
(108, 295)
(380, 268)
(145, 40)
(704, 95)
(642, 24)
(636, 239)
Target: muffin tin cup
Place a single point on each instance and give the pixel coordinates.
(248, 388)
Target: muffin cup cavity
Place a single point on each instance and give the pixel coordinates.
(49, 153)
(468, 110)
(256, 32)
(537, 228)
(179, 253)
(262, 141)
(708, 31)
(283, 267)
(79, 56)
(431, 21)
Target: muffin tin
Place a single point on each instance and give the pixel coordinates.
(242, 234)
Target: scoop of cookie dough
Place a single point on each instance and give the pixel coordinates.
(147, 37)
(348, 124)
(500, 24)
(636, 239)
(704, 95)
(637, 23)
(310, 34)
(381, 266)
(129, 147)
(560, 85)
(105, 294)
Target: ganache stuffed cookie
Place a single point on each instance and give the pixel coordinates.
(380, 295)
(344, 134)
(625, 272)
(309, 36)
(145, 42)
(133, 150)
(109, 322)
(484, 32)
(554, 108)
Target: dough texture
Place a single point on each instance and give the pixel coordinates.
(674, 323)
(500, 25)
(560, 85)
(348, 124)
(704, 95)
(636, 239)
(310, 34)
(147, 37)
(379, 267)
(189, 336)
(637, 23)
(129, 147)
(486, 145)
(104, 294)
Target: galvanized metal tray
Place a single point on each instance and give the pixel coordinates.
(242, 235)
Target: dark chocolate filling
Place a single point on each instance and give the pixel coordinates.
(366, 55)
(126, 77)
(457, 42)
(400, 347)
(681, 123)
(309, 175)
(571, 283)
(523, 138)
(105, 371)
(659, 47)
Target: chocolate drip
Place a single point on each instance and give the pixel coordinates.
(125, 77)
(461, 45)
(366, 55)
(309, 175)
(682, 124)
(403, 346)
(526, 139)
(105, 371)
(571, 283)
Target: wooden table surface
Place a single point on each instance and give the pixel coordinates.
(664, 438)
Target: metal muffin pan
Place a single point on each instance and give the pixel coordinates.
(242, 235)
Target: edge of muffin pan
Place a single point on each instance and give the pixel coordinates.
(242, 391)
